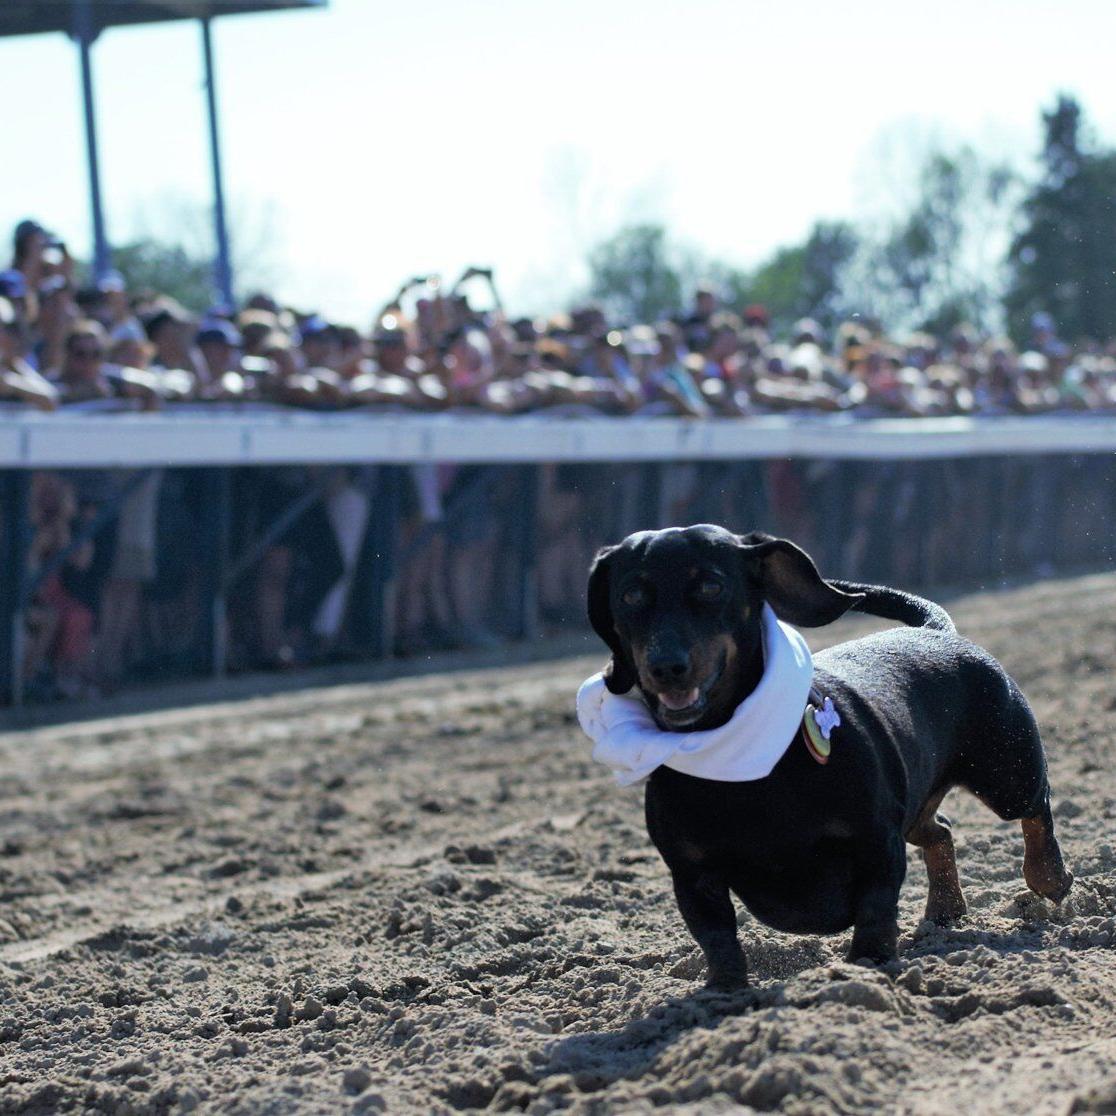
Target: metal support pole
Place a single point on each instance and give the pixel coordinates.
(379, 562)
(289, 516)
(527, 529)
(15, 539)
(222, 267)
(709, 505)
(213, 645)
(651, 511)
(84, 33)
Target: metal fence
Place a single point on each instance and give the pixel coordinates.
(432, 537)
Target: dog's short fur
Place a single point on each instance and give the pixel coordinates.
(812, 848)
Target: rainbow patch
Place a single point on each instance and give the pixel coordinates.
(816, 744)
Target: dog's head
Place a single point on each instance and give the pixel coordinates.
(681, 611)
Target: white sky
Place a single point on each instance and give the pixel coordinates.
(371, 141)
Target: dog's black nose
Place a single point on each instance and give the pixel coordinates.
(669, 668)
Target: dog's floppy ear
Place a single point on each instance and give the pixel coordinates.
(620, 674)
(791, 583)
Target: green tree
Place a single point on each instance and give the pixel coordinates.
(804, 280)
(168, 269)
(936, 264)
(635, 275)
(1064, 259)
(777, 284)
(829, 249)
(170, 249)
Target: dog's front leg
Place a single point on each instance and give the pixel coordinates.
(706, 906)
(881, 866)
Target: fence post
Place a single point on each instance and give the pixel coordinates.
(712, 482)
(215, 528)
(381, 547)
(651, 496)
(15, 538)
(527, 530)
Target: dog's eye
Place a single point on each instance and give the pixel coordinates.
(634, 596)
(708, 589)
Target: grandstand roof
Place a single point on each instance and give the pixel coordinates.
(33, 17)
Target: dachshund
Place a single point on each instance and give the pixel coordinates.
(817, 845)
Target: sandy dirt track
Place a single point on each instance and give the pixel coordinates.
(422, 896)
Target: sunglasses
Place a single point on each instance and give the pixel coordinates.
(86, 354)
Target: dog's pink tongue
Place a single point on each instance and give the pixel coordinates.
(680, 702)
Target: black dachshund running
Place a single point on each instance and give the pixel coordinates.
(816, 845)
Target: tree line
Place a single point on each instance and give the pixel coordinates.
(978, 244)
(975, 242)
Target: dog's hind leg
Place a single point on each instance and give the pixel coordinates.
(1043, 868)
(1006, 770)
(707, 909)
(932, 834)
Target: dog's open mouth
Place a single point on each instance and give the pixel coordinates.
(678, 708)
(676, 704)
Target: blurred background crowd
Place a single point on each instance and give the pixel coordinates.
(117, 557)
(437, 346)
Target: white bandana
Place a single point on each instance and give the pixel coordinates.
(747, 746)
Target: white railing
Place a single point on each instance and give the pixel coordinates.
(222, 435)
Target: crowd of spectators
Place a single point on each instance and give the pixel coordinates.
(117, 588)
(430, 349)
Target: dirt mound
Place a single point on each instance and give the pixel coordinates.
(423, 896)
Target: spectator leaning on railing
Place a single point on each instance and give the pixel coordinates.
(429, 349)
(19, 382)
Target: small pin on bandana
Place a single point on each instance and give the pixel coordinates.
(817, 724)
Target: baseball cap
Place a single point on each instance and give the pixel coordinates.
(314, 326)
(111, 281)
(163, 312)
(807, 328)
(219, 330)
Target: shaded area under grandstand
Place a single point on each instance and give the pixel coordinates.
(501, 555)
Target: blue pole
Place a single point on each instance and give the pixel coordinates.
(222, 266)
(85, 33)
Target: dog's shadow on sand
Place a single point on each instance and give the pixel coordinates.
(597, 1059)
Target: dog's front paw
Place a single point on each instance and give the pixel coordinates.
(726, 982)
(867, 961)
(727, 977)
(876, 946)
